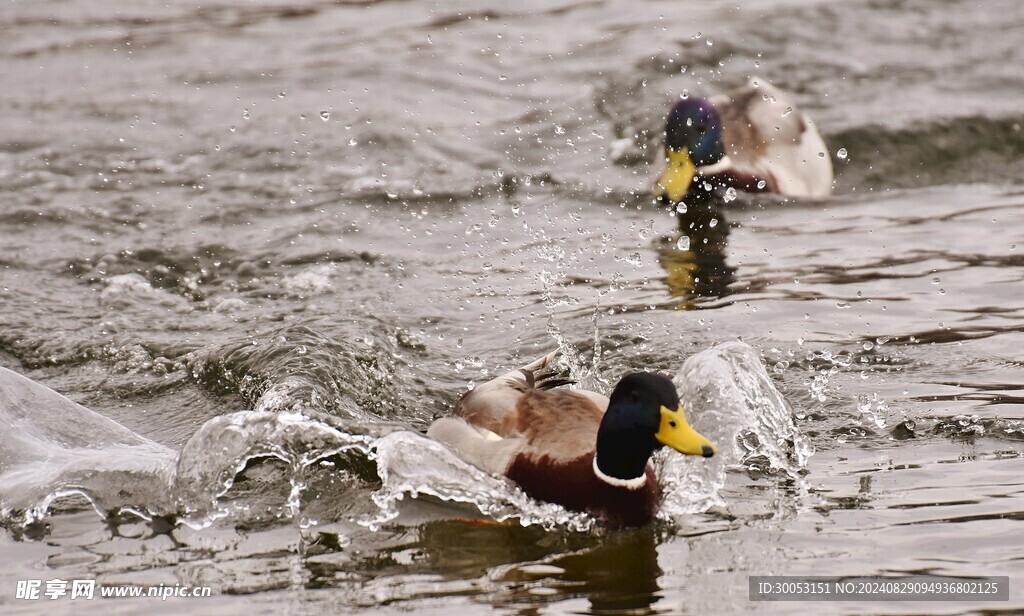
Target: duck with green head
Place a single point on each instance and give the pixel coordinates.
(574, 447)
(752, 139)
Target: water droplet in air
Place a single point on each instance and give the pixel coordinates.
(502, 77)
(245, 113)
(713, 223)
(730, 195)
(788, 111)
(841, 154)
(559, 130)
(761, 183)
(325, 115)
(710, 42)
(683, 243)
(936, 280)
(942, 291)
(681, 208)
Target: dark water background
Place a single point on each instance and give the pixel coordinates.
(355, 209)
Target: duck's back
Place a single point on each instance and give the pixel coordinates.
(765, 135)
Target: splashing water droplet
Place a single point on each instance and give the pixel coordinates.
(730, 195)
(713, 223)
(842, 154)
(681, 208)
(633, 259)
(788, 111)
(325, 115)
(761, 183)
(683, 243)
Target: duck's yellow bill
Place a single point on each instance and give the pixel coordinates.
(677, 434)
(678, 175)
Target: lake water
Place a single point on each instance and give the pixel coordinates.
(264, 244)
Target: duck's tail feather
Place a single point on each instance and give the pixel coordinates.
(543, 374)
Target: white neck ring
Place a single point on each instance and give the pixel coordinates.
(630, 484)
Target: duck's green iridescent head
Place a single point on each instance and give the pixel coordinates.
(644, 413)
(693, 138)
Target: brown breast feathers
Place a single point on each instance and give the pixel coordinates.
(574, 486)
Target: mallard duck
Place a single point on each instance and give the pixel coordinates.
(573, 447)
(752, 139)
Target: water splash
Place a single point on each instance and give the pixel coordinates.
(412, 465)
(55, 448)
(73, 452)
(217, 453)
(730, 398)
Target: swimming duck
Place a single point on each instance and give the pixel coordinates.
(752, 139)
(573, 447)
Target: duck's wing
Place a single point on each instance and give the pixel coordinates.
(767, 136)
(492, 405)
(487, 428)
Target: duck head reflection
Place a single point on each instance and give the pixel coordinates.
(694, 261)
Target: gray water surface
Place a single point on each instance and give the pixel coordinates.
(265, 244)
